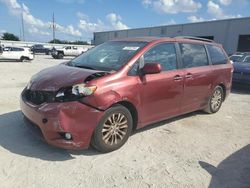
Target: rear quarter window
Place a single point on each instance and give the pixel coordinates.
(193, 55)
(217, 55)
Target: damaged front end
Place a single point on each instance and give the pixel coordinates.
(62, 114)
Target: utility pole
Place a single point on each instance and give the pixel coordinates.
(23, 28)
(20, 33)
(53, 26)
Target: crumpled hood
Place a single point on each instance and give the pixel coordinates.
(241, 67)
(56, 77)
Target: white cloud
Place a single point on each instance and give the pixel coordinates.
(35, 23)
(88, 27)
(71, 31)
(116, 21)
(82, 16)
(2, 31)
(34, 30)
(146, 2)
(170, 22)
(195, 19)
(217, 12)
(173, 6)
(225, 2)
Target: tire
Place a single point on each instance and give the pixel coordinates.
(109, 135)
(215, 100)
(60, 56)
(22, 59)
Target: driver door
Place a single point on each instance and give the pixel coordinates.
(161, 93)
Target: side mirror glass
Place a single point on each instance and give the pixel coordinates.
(151, 68)
(141, 62)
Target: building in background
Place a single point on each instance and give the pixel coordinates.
(233, 34)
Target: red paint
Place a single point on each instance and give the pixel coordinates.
(155, 96)
(151, 68)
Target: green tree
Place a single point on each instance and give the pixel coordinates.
(57, 41)
(10, 36)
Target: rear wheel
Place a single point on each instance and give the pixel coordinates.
(22, 59)
(113, 129)
(215, 100)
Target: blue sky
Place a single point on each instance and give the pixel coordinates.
(78, 19)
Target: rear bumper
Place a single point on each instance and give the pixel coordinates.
(52, 120)
(31, 57)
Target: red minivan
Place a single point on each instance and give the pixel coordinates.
(101, 96)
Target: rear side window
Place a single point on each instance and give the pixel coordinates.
(164, 54)
(193, 55)
(17, 49)
(217, 55)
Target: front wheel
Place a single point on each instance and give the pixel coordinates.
(215, 100)
(60, 56)
(113, 130)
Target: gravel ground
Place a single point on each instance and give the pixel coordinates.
(194, 150)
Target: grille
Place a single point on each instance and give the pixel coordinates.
(242, 73)
(39, 97)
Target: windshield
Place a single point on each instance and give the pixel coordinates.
(246, 59)
(235, 57)
(109, 56)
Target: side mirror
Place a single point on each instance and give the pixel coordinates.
(151, 68)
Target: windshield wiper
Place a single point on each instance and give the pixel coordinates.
(85, 67)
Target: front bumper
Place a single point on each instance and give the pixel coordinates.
(241, 77)
(55, 119)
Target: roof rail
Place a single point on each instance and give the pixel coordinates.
(195, 38)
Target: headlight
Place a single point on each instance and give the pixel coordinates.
(82, 90)
(75, 92)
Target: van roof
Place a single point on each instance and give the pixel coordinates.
(169, 39)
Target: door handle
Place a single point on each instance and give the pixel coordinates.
(189, 75)
(177, 77)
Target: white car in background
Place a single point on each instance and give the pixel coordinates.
(59, 53)
(16, 53)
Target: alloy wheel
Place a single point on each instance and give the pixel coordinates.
(115, 128)
(216, 100)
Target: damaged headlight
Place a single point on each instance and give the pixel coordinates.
(75, 92)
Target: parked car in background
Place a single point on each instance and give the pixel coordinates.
(238, 56)
(235, 58)
(68, 51)
(102, 95)
(242, 70)
(38, 48)
(16, 53)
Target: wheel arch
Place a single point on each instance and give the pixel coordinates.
(132, 109)
(222, 85)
